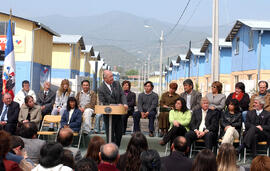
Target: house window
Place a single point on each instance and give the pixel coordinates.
(236, 78)
(250, 43)
(237, 45)
(249, 77)
(4, 27)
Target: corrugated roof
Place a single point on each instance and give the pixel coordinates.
(222, 43)
(253, 24)
(89, 49)
(173, 63)
(69, 39)
(44, 27)
(181, 57)
(194, 51)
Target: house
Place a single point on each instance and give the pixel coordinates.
(84, 60)
(66, 56)
(33, 44)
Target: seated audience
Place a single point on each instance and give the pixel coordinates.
(191, 96)
(72, 117)
(86, 164)
(205, 160)
(226, 158)
(51, 158)
(109, 156)
(231, 123)
(179, 150)
(216, 99)
(263, 86)
(62, 95)
(30, 112)
(5, 164)
(68, 159)
(147, 108)
(260, 163)
(9, 114)
(150, 160)
(257, 126)
(87, 99)
(65, 138)
(167, 103)
(130, 160)
(17, 148)
(203, 125)
(25, 91)
(32, 144)
(242, 97)
(179, 119)
(94, 148)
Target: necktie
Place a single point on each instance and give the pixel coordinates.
(45, 95)
(4, 114)
(111, 88)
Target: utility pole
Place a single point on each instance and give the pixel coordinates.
(148, 67)
(145, 72)
(160, 62)
(215, 44)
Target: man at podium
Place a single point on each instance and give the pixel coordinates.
(110, 92)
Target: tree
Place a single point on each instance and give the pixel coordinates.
(132, 72)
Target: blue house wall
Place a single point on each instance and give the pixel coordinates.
(193, 66)
(201, 66)
(225, 61)
(208, 59)
(265, 51)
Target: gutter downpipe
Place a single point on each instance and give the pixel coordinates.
(70, 56)
(32, 56)
(259, 58)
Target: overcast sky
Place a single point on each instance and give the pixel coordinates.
(169, 11)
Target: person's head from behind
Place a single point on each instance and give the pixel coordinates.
(94, 148)
(226, 158)
(188, 85)
(150, 161)
(263, 86)
(86, 164)
(51, 155)
(239, 88)
(181, 105)
(173, 88)
(109, 153)
(260, 163)
(65, 137)
(72, 103)
(85, 85)
(148, 86)
(68, 159)
(26, 85)
(179, 144)
(108, 76)
(29, 101)
(17, 146)
(204, 103)
(234, 106)
(4, 147)
(205, 160)
(28, 130)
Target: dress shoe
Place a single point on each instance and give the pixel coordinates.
(151, 134)
(162, 143)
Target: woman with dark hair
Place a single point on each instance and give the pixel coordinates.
(226, 158)
(231, 122)
(68, 159)
(72, 117)
(86, 164)
(242, 97)
(6, 165)
(150, 161)
(167, 103)
(51, 158)
(130, 161)
(30, 112)
(131, 102)
(205, 160)
(216, 99)
(179, 119)
(94, 148)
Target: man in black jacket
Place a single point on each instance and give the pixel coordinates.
(110, 92)
(203, 125)
(9, 114)
(257, 126)
(177, 159)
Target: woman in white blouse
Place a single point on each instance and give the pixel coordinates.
(216, 99)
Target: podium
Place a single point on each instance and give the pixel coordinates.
(110, 110)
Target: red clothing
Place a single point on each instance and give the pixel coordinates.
(104, 166)
(11, 165)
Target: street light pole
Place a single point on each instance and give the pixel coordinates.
(215, 43)
(148, 67)
(160, 62)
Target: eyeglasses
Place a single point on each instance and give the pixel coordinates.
(214, 86)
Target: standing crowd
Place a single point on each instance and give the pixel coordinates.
(183, 120)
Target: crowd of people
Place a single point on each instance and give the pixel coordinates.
(182, 119)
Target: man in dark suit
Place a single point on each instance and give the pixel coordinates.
(177, 160)
(203, 125)
(110, 92)
(191, 96)
(46, 98)
(257, 126)
(9, 114)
